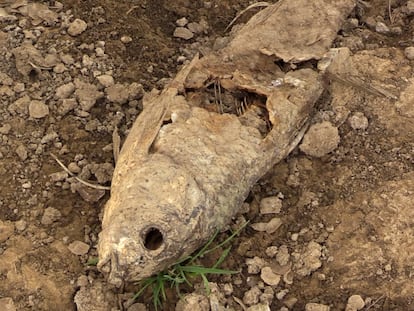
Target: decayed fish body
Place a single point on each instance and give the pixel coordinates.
(185, 169)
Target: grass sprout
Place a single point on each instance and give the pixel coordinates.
(186, 270)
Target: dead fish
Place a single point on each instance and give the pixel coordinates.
(198, 147)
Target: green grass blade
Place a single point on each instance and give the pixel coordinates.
(223, 256)
(231, 237)
(197, 270)
(203, 250)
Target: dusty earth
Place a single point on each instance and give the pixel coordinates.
(346, 217)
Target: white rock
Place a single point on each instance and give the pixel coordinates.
(309, 260)
(78, 248)
(77, 27)
(269, 277)
(183, 33)
(193, 302)
(282, 256)
(106, 80)
(358, 121)
(38, 109)
(181, 22)
(251, 297)
(321, 139)
(126, 39)
(380, 27)
(270, 227)
(409, 51)
(271, 251)
(65, 90)
(355, 303)
(316, 307)
(270, 205)
(254, 265)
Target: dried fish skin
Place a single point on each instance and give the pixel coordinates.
(186, 167)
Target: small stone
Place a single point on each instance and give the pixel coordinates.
(68, 104)
(137, 307)
(269, 277)
(316, 307)
(21, 151)
(65, 90)
(5, 129)
(59, 68)
(38, 109)
(126, 39)
(380, 27)
(77, 27)
(99, 52)
(254, 265)
(181, 22)
(6, 230)
(7, 304)
(193, 302)
(50, 215)
(19, 87)
(282, 256)
(183, 33)
(409, 52)
(82, 281)
(309, 261)
(270, 205)
(251, 297)
(58, 176)
(87, 94)
(270, 227)
(74, 168)
(20, 225)
(271, 251)
(358, 121)
(355, 303)
(78, 248)
(106, 80)
(89, 194)
(320, 139)
(195, 27)
(259, 307)
(410, 7)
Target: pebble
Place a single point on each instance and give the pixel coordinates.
(38, 109)
(193, 302)
(269, 277)
(321, 139)
(77, 27)
(271, 251)
(65, 90)
(251, 297)
(21, 151)
(20, 225)
(183, 33)
(50, 215)
(282, 256)
(126, 39)
(316, 307)
(380, 27)
(5, 129)
(87, 94)
(358, 121)
(355, 303)
(309, 261)
(259, 307)
(270, 205)
(7, 304)
(181, 22)
(270, 227)
(137, 307)
(254, 265)
(78, 248)
(409, 52)
(106, 80)
(195, 27)
(410, 7)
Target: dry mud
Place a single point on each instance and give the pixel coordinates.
(339, 225)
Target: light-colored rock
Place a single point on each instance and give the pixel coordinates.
(311, 306)
(405, 104)
(38, 109)
(7, 304)
(321, 139)
(77, 27)
(95, 297)
(259, 307)
(78, 248)
(21, 151)
(181, 22)
(137, 307)
(410, 7)
(193, 302)
(20, 225)
(355, 303)
(269, 277)
(183, 33)
(50, 215)
(282, 256)
(65, 90)
(121, 93)
(87, 94)
(106, 80)
(309, 260)
(271, 251)
(380, 27)
(5, 129)
(270, 205)
(270, 227)
(358, 121)
(255, 264)
(251, 297)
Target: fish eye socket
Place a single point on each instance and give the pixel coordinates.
(153, 239)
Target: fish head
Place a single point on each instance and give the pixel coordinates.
(155, 216)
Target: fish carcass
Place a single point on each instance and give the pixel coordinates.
(199, 146)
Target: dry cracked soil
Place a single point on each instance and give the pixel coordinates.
(330, 226)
